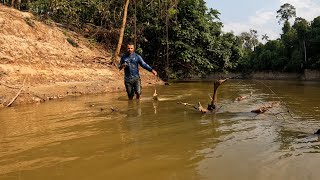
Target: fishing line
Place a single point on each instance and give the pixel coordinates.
(230, 95)
(285, 104)
(237, 92)
(264, 105)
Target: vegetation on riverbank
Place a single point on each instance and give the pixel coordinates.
(177, 37)
(183, 38)
(295, 51)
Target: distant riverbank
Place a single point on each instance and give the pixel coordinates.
(308, 75)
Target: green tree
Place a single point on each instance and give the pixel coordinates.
(302, 27)
(250, 39)
(178, 37)
(289, 35)
(286, 12)
(314, 44)
(124, 20)
(265, 37)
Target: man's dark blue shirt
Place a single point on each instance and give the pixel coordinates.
(132, 61)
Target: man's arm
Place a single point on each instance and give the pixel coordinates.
(122, 63)
(146, 66)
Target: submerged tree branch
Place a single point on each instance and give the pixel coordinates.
(214, 99)
(212, 106)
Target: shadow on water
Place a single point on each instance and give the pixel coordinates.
(82, 138)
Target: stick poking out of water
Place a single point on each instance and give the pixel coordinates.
(15, 97)
(155, 95)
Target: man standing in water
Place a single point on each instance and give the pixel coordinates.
(130, 62)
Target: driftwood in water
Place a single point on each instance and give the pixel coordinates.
(265, 108)
(240, 98)
(260, 110)
(113, 109)
(214, 99)
(155, 95)
(202, 109)
(186, 104)
(199, 107)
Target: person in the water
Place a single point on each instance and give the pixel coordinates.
(130, 62)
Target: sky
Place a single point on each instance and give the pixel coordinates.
(242, 15)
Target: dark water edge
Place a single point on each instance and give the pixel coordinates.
(308, 75)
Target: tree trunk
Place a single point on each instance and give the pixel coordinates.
(16, 4)
(135, 23)
(167, 35)
(305, 51)
(160, 10)
(28, 5)
(124, 20)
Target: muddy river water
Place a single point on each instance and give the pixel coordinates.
(81, 138)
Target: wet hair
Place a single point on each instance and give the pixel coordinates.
(130, 43)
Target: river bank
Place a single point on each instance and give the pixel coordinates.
(40, 61)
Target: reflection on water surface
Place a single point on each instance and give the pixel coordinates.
(81, 138)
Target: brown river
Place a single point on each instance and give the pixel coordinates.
(80, 138)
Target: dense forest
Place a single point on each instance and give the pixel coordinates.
(297, 48)
(182, 38)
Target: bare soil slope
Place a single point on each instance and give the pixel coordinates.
(43, 61)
